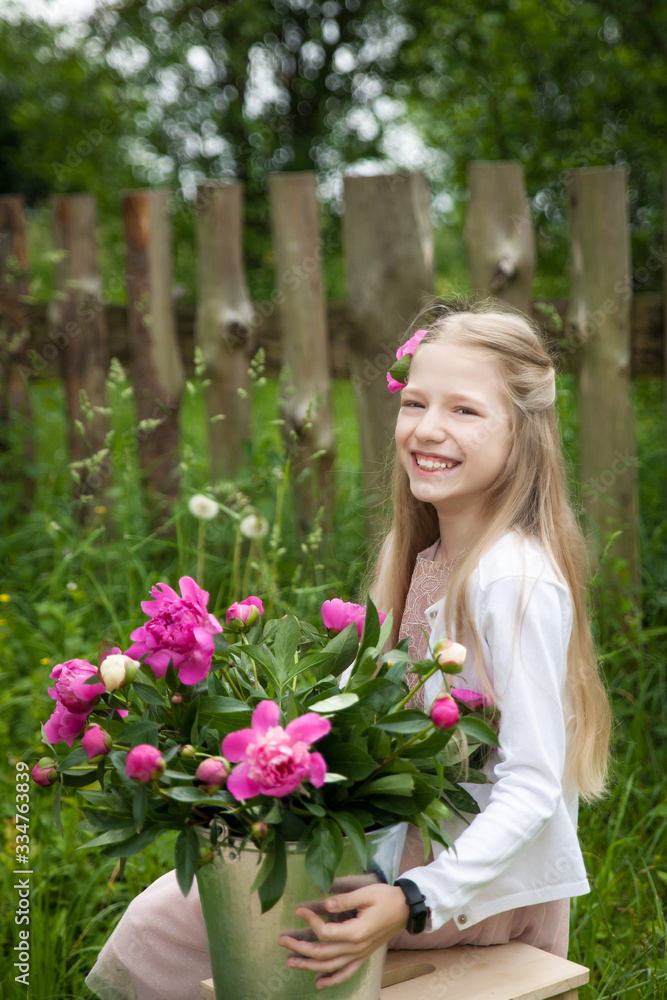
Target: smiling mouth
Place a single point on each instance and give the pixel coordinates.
(429, 464)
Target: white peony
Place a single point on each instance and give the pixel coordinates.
(447, 653)
(203, 507)
(116, 669)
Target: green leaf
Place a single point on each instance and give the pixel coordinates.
(110, 837)
(349, 759)
(334, 704)
(139, 806)
(371, 632)
(315, 809)
(79, 779)
(137, 842)
(273, 885)
(324, 853)
(339, 652)
(438, 811)
(186, 855)
(407, 721)
(354, 831)
(471, 725)
(143, 731)
(285, 646)
(183, 793)
(266, 660)
(149, 695)
(400, 369)
(388, 784)
(75, 757)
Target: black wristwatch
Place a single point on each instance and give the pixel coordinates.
(417, 904)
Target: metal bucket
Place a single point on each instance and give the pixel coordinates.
(246, 960)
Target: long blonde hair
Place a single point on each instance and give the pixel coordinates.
(529, 494)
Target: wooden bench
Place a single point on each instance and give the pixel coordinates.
(511, 971)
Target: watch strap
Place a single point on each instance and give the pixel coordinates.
(416, 904)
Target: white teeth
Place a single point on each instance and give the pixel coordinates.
(429, 464)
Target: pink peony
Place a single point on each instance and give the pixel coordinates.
(275, 760)
(444, 712)
(243, 614)
(213, 773)
(180, 631)
(409, 347)
(359, 622)
(337, 614)
(74, 700)
(473, 699)
(44, 775)
(144, 763)
(96, 742)
(70, 688)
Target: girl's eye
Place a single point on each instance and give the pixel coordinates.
(410, 403)
(465, 409)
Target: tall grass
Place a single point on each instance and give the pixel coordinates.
(68, 586)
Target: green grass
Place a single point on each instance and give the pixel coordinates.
(71, 585)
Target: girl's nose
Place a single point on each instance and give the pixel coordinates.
(431, 427)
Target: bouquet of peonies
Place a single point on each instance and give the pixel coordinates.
(199, 724)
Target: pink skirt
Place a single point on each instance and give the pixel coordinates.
(159, 949)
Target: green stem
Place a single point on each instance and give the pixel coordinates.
(200, 554)
(412, 692)
(399, 750)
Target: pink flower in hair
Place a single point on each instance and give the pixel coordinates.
(405, 350)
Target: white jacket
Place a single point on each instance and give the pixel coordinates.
(522, 848)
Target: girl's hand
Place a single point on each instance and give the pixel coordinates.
(342, 948)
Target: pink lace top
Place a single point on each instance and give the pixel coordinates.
(426, 587)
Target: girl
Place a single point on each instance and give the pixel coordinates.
(480, 511)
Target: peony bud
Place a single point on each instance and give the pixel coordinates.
(259, 830)
(450, 655)
(177, 698)
(444, 712)
(213, 773)
(97, 743)
(243, 614)
(145, 763)
(116, 670)
(44, 772)
(187, 750)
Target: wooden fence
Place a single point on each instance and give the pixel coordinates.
(602, 332)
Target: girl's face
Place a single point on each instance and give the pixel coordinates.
(453, 429)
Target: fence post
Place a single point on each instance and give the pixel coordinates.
(80, 334)
(599, 326)
(388, 243)
(14, 367)
(306, 400)
(499, 233)
(156, 368)
(224, 324)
